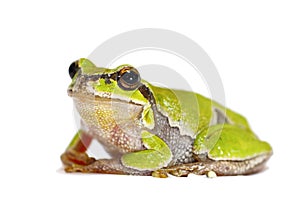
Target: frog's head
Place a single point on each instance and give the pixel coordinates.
(118, 94)
(120, 83)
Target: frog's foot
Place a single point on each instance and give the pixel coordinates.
(72, 157)
(106, 166)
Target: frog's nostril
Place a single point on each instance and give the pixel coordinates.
(70, 91)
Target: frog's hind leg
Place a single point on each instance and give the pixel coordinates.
(222, 167)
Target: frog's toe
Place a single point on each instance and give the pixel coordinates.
(74, 168)
(211, 174)
(159, 174)
(71, 157)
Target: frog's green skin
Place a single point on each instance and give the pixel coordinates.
(153, 130)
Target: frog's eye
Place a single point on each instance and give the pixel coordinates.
(128, 78)
(73, 69)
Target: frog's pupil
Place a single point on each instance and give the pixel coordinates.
(130, 77)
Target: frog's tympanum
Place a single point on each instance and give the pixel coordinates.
(150, 130)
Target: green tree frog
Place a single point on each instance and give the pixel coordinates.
(150, 130)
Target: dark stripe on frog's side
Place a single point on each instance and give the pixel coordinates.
(180, 145)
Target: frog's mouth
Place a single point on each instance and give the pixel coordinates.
(101, 98)
(89, 95)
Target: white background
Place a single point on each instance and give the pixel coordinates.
(254, 44)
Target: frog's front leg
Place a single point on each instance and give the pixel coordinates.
(75, 153)
(75, 158)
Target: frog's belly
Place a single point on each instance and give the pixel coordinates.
(118, 141)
